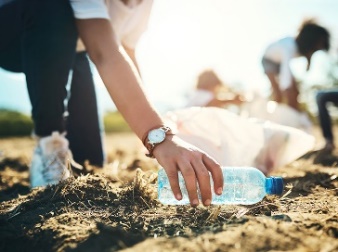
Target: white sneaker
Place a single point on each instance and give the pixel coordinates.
(51, 161)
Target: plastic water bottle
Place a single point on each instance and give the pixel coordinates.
(242, 185)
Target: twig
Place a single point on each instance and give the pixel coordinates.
(145, 202)
(214, 214)
(286, 194)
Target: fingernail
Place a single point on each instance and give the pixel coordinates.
(207, 202)
(195, 202)
(219, 190)
(178, 196)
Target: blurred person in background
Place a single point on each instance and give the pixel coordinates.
(211, 92)
(277, 56)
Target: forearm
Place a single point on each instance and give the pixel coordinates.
(219, 103)
(118, 74)
(132, 56)
(277, 93)
(124, 86)
(308, 58)
(291, 94)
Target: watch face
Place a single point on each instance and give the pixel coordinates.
(156, 136)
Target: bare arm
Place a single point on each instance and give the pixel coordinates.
(308, 57)
(291, 94)
(132, 56)
(118, 74)
(123, 84)
(276, 92)
(236, 100)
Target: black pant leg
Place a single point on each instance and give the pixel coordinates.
(10, 36)
(48, 45)
(83, 127)
(322, 98)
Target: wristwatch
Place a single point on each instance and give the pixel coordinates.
(154, 137)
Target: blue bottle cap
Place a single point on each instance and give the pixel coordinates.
(274, 185)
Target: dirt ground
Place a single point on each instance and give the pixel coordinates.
(117, 209)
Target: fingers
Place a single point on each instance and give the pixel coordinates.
(174, 184)
(194, 165)
(203, 178)
(196, 172)
(190, 182)
(216, 173)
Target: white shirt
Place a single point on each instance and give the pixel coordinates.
(128, 21)
(282, 52)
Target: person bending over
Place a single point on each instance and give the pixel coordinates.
(40, 41)
(277, 57)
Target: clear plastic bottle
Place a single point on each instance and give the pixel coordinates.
(242, 185)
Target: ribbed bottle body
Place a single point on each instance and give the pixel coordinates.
(242, 185)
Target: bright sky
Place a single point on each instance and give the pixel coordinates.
(186, 36)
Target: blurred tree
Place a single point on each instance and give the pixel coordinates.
(13, 123)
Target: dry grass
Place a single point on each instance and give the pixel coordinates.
(117, 209)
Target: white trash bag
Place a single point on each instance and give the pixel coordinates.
(236, 141)
(283, 114)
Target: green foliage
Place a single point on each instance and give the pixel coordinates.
(13, 123)
(114, 122)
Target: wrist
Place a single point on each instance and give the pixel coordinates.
(154, 137)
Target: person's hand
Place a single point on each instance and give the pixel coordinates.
(175, 155)
(238, 99)
(277, 96)
(291, 94)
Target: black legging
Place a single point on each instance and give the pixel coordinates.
(83, 121)
(323, 98)
(38, 38)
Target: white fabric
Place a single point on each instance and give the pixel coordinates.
(128, 21)
(282, 52)
(236, 141)
(86, 9)
(200, 98)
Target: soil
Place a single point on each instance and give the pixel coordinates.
(116, 208)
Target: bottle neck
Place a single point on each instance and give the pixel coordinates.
(274, 185)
